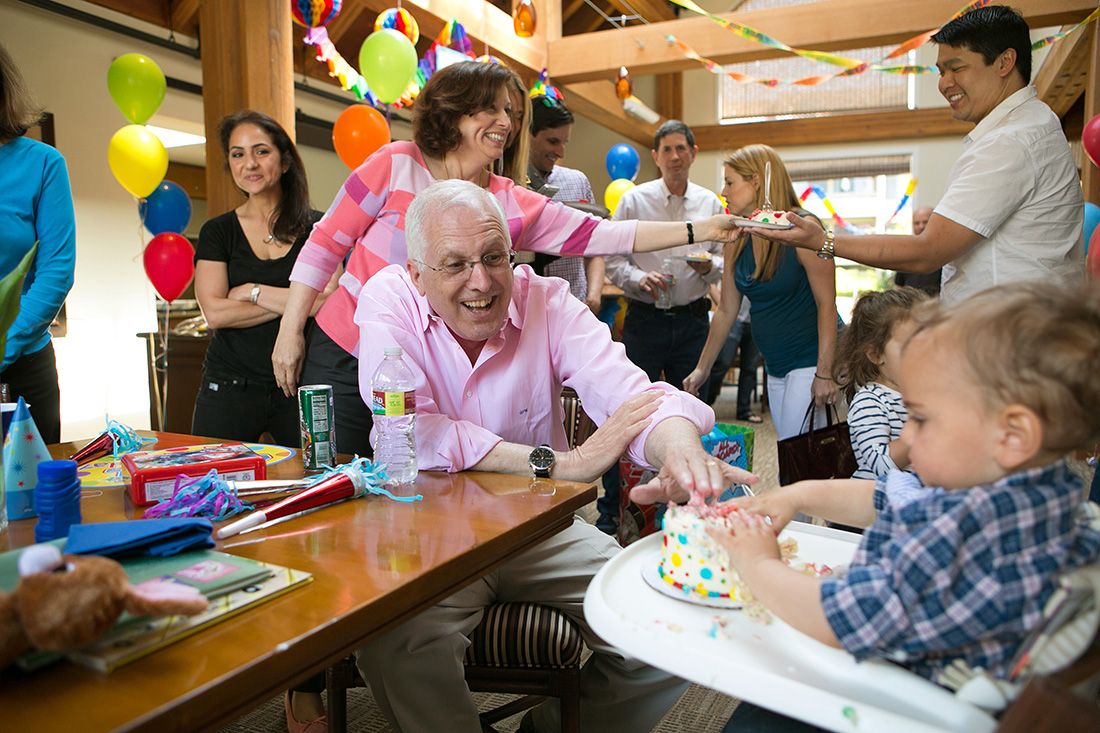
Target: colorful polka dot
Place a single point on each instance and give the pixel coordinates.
(676, 559)
(706, 574)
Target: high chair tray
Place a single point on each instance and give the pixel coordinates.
(770, 665)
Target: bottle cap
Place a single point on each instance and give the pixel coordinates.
(393, 351)
(56, 472)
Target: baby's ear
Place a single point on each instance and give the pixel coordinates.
(1021, 437)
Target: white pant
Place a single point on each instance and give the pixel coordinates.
(788, 399)
(415, 671)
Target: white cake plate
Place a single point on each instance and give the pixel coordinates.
(743, 222)
(653, 579)
(773, 665)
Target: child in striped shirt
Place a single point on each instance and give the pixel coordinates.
(867, 366)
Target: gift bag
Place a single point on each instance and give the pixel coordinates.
(732, 444)
(820, 453)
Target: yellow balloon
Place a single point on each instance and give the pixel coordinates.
(138, 159)
(615, 191)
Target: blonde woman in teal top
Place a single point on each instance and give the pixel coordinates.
(36, 206)
(792, 293)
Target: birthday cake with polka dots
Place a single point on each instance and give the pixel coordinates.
(691, 560)
(694, 563)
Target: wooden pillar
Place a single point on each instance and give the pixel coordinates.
(1090, 174)
(670, 95)
(247, 62)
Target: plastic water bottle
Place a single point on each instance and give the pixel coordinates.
(393, 402)
(56, 499)
(664, 295)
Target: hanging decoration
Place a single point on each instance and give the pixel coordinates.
(624, 87)
(524, 18)
(387, 61)
(338, 67)
(314, 13)
(543, 88)
(850, 66)
(909, 188)
(400, 20)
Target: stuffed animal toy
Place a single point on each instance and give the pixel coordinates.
(64, 603)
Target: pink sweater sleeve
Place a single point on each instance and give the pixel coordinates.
(554, 228)
(351, 214)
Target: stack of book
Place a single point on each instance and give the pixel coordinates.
(232, 584)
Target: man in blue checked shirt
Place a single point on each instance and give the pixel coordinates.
(999, 389)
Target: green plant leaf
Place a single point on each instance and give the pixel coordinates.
(11, 290)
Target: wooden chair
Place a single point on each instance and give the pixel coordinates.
(518, 648)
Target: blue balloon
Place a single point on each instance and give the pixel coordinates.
(1092, 219)
(623, 162)
(166, 209)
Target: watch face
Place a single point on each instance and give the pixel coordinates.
(542, 458)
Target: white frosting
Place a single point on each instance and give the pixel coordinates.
(691, 560)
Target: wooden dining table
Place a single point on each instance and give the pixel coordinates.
(375, 562)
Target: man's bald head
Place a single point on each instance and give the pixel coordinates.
(920, 218)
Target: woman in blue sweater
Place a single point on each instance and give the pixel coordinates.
(36, 206)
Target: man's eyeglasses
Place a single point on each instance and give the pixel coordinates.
(492, 261)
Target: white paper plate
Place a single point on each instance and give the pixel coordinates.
(743, 222)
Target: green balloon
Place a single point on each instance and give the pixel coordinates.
(137, 85)
(387, 60)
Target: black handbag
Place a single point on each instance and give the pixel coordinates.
(823, 453)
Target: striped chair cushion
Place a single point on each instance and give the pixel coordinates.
(524, 635)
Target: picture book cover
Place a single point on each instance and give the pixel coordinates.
(136, 638)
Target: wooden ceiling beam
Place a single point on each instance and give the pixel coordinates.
(852, 128)
(570, 9)
(651, 10)
(1064, 74)
(829, 25)
(185, 17)
(596, 100)
(342, 23)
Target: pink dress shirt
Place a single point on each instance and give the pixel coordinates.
(368, 218)
(513, 392)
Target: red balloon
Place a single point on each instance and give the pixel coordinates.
(358, 132)
(1092, 262)
(169, 263)
(1090, 140)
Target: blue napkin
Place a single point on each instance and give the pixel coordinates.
(153, 537)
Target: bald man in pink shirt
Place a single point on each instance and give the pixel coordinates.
(490, 349)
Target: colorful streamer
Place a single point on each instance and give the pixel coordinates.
(851, 67)
(338, 67)
(909, 188)
(840, 220)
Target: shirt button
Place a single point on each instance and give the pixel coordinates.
(469, 394)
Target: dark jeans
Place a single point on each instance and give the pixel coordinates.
(327, 363)
(740, 339)
(1094, 492)
(749, 718)
(34, 378)
(662, 344)
(237, 408)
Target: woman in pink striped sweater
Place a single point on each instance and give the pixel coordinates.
(461, 125)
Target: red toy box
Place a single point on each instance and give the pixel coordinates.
(153, 472)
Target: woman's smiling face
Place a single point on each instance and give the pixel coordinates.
(486, 131)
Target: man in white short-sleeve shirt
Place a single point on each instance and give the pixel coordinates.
(1013, 209)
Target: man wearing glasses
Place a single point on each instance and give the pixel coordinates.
(490, 349)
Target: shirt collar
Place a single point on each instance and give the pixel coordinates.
(1002, 110)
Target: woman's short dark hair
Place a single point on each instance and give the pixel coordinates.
(293, 215)
(18, 112)
(460, 89)
(990, 31)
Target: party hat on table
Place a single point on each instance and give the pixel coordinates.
(24, 449)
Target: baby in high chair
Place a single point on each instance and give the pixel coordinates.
(999, 389)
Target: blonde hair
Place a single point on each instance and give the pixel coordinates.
(513, 163)
(1032, 344)
(749, 162)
